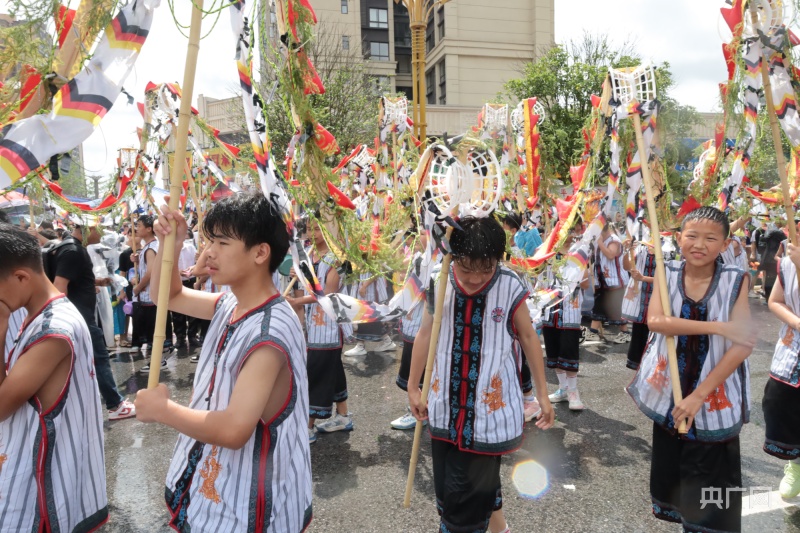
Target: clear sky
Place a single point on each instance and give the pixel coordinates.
(686, 33)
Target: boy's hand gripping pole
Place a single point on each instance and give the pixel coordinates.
(175, 190)
(426, 383)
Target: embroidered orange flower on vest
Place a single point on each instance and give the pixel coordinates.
(632, 292)
(658, 379)
(494, 398)
(319, 316)
(717, 400)
(788, 339)
(209, 473)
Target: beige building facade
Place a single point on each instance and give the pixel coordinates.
(472, 48)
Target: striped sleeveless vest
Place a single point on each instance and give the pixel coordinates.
(566, 314)
(608, 273)
(637, 293)
(740, 260)
(144, 296)
(323, 332)
(52, 467)
(726, 409)
(475, 400)
(785, 362)
(265, 486)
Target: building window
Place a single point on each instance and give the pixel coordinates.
(403, 63)
(406, 91)
(442, 83)
(382, 85)
(430, 86)
(379, 51)
(345, 42)
(378, 18)
(429, 42)
(440, 23)
(344, 7)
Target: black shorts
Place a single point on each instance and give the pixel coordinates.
(327, 383)
(467, 487)
(562, 347)
(405, 367)
(639, 334)
(690, 482)
(783, 423)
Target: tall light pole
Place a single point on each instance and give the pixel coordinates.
(418, 13)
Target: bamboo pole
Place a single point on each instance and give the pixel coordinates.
(426, 384)
(168, 254)
(776, 137)
(652, 214)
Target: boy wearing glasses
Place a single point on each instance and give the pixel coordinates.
(474, 406)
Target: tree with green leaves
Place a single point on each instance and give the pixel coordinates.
(565, 77)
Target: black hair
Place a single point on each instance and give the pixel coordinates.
(49, 234)
(18, 249)
(146, 221)
(251, 218)
(481, 240)
(4, 218)
(46, 225)
(709, 213)
(513, 220)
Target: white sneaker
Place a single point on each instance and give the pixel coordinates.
(558, 396)
(386, 345)
(575, 403)
(312, 435)
(407, 421)
(623, 337)
(336, 423)
(356, 351)
(125, 409)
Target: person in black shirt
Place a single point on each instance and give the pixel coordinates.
(769, 263)
(74, 277)
(125, 266)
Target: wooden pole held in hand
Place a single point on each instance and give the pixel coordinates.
(426, 383)
(175, 189)
(661, 276)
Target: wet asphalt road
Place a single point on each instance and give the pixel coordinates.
(591, 469)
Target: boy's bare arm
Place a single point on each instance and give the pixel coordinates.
(730, 361)
(735, 330)
(182, 300)
(533, 352)
(419, 356)
(777, 304)
(231, 427)
(30, 374)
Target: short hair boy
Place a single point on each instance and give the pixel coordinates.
(475, 406)
(714, 339)
(49, 480)
(242, 456)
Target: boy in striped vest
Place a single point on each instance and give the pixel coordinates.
(782, 393)
(52, 467)
(710, 320)
(242, 459)
(474, 407)
(640, 262)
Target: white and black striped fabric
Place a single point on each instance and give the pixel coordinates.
(15, 322)
(475, 401)
(566, 314)
(785, 362)
(723, 413)
(638, 293)
(609, 273)
(144, 295)
(266, 485)
(729, 257)
(53, 475)
(411, 322)
(376, 291)
(323, 333)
